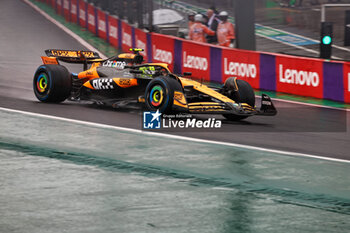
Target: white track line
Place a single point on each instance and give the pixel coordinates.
(177, 137)
(64, 28)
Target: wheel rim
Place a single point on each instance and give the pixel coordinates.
(42, 83)
(156, 96)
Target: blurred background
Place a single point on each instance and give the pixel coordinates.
(298, 17)
(300, 14)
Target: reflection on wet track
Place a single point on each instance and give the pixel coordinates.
(139, 183)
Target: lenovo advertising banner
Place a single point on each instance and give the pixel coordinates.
(74, 11)
(82, 13)
(91, 19)
(66, 9)
(196, 59)
(59, 5)
(141, 42)
(299, 76)
(113, 31)
(52, 3)
(163, 49)
(126, 37)
(346, 82)
(242, 64)
(102, 24)
(333, 88)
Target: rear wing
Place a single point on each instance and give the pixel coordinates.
(73, 56)
(88, 57)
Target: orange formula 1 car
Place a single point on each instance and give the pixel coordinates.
(124, 79)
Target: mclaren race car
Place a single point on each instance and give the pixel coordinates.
(125, 79)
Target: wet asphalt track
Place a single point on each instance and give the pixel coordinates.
(25, 35)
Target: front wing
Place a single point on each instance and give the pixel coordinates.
(242, 109)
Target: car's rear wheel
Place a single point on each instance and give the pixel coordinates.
(159, 94)
(52, 83)
(245, 94)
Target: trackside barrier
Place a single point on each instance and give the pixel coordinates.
(113, 31)
(266, 71)
(141, 42)
(91, 18)
(66, 9)
(299, 76)
(74, 6)
(346, 82)
(59, 6)
(102, 24)
(82, 13)
(126, 36)
(163, 50)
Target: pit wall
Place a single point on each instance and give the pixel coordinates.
(265, 71)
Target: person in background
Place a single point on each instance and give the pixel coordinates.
(205, 20)
(190, 20)
(198, 30)
(212, 24)
(225, 31)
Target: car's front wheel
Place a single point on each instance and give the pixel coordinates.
(244, 94)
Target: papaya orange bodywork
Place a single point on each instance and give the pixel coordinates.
(88, 85)
(49, 60)
(125, 82)
(90, 74)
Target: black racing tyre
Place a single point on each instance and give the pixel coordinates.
(245, 95)
(52, 83)
(159, 94)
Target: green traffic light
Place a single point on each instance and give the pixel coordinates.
(326, 40)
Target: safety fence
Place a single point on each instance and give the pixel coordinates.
(266, 71)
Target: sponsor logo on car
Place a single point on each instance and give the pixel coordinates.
(103, 84)
(115, 64)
